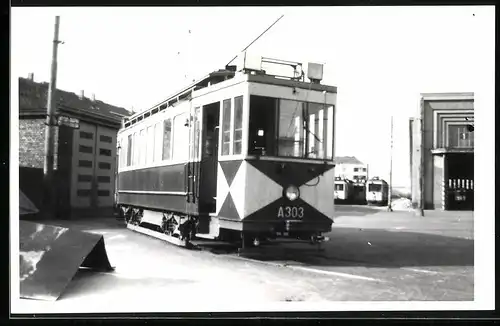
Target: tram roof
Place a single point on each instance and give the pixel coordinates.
(184, 92)
(225, 74)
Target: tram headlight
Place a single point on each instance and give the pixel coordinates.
(292, 193)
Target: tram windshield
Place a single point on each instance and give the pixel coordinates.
(289, 128)
(374, 187)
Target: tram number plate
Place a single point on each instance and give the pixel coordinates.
(290, 212)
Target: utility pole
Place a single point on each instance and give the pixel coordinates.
(421, 162)
(48, 168)
(389, 199)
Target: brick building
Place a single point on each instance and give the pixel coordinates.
(440, 133)
(85, 153)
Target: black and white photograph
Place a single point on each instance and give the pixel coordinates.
(234, 159)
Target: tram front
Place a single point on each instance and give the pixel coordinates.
(284, 185)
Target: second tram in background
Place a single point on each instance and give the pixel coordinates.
(377, 192)
(349, 192)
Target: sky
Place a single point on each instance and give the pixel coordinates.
(379, 58)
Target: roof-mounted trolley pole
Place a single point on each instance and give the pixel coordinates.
(264, 32)
(48, 167)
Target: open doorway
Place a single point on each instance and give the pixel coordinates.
(460, 183)
(209, 157)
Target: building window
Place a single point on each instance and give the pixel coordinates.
(104, 166)
(103, 179)
(105, 139)
(85, 164)
(226, 127)
(129, 150)
(102, 193)
(238, 124)
(86, 135)
(339, 187)
(167, 138)
(84, 178)
(460, 137)
(104, 152)
(356, 169)
(83, 192)
(364, 169)
(86, 149)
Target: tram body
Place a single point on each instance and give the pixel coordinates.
(238, 154)
(343, 191)
(377, 192)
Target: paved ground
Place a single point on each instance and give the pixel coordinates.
(372, 255)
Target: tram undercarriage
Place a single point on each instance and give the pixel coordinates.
(182, 230)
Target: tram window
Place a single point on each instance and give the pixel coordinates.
(238, 124)
(374, 187)
(291, 135)
(317, 145)
(180, 150)
(158, 142)
(196, 126)
(303, 129)
(329, 133)
(226, 126)
(262, 125)
(150, 144)
(142, 148)
(167, 138)
(134, 149)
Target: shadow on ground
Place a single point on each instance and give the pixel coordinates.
(368, 248)
(83, 224)
(89, 282)
(355, 210)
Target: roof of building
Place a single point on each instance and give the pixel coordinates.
(347, 160)
(33, 101)
(447, 96)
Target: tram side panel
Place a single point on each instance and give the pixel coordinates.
(157, 188)
(161, 183)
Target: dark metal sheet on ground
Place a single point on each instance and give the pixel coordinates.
(49, 257)
(26, 206)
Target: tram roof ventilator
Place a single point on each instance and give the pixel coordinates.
(255, 65)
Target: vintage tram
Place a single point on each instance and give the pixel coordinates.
(343, 191)
(377, 192)
(241, 154)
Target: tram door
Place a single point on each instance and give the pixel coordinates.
(209, 157)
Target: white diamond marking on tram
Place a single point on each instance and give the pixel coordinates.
(320, 196)
(237, 189)
(260, 190)
(222, 188)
